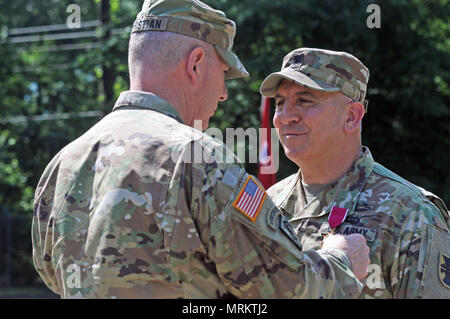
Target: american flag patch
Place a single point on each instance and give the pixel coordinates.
(250, 199)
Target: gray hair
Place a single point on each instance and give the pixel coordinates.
(156, 52)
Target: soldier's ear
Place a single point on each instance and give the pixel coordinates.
(354, 115)
(196, 64)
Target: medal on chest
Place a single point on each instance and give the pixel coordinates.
(335, 218)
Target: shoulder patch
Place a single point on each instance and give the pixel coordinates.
(250, 199)
(436, 273)
(444, 270)
(272, 218)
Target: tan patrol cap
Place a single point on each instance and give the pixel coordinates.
(195, 19)
(322, 70)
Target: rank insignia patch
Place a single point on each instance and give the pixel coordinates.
(250, 199)
(444, 270)
(272, 218)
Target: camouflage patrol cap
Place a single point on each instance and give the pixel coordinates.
(323, 70)
(195, 19)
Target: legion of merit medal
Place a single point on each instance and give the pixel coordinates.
(336, 217)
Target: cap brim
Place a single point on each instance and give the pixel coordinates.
(237, 69)
(270, 85)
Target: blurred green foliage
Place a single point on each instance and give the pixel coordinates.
(407, 127)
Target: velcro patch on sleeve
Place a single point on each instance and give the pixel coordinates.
(250, 199)
(436, 273)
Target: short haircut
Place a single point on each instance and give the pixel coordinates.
(154, 51)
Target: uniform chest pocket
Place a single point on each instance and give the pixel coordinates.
(307, 227)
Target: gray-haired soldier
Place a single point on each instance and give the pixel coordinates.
(125, 211)
(320, 99)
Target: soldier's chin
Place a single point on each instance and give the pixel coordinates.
(296, 155)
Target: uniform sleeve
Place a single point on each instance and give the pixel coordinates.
(255, 251)
(420, 269)
(42, 227)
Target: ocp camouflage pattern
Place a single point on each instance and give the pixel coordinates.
(195, 19)
(404, 226)
(321, 69)
(201, 22)
(334, 68)
(125, 211)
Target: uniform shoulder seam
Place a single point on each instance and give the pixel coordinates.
(381, 170)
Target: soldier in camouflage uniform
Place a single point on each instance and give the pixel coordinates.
(320, 102)
(144, 206)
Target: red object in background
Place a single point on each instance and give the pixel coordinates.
(265, 147)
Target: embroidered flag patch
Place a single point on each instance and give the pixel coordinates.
(250, 199)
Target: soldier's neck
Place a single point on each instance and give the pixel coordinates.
(330, 167)
(171, 91)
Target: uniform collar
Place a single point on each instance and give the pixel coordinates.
(344, 193)
(288, 198)
(147, 100)
(349, 187)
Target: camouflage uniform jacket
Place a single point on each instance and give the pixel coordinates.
(407, 228)
(129, 211)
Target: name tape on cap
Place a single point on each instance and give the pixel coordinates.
(150, 24)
